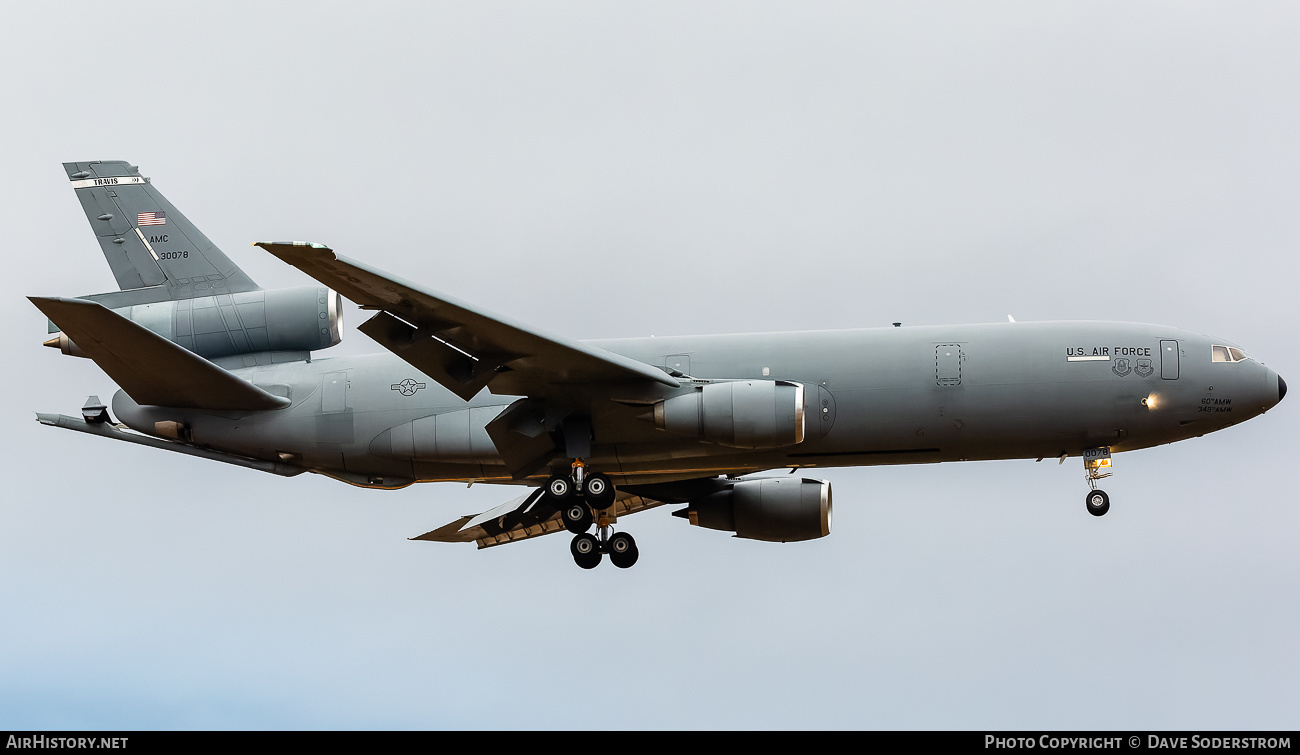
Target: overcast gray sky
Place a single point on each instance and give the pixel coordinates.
(626, 169)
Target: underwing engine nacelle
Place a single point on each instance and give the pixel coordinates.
(738, 413)
(301, 319)
(780, 510)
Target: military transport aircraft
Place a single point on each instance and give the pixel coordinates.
(212, 365)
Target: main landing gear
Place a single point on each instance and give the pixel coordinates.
(583, 500)
(588, 549)
(1095, 459)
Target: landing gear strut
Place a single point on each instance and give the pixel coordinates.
(583, 500)
(1095, 459)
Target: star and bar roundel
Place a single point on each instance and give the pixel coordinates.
(407, 387)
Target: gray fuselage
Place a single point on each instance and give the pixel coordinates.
(872, 396)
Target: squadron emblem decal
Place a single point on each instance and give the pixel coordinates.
(407, 387)
(1125, 360)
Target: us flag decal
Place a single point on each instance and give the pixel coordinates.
(157, 217)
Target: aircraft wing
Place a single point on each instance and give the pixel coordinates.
(525, 517)
(463, 347)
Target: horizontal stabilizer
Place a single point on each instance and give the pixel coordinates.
(151, 369)
(115, 432)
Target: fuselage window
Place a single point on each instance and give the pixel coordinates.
(1228, 354)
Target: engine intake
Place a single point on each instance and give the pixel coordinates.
(780, 510)
(739, 413)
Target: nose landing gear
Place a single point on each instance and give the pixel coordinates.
(1095, 459)
(1098, 503)
(583, 500)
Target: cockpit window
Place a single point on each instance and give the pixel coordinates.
(1228, 354)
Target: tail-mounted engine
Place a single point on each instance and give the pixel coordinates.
(776, 510)
(285, 319)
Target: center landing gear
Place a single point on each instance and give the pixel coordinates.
(582, 500)
(1095, 459)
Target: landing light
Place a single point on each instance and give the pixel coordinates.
(1150, 401)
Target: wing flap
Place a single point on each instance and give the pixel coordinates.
(457, 344)
(451, 368)
(523, 518)
(151, 369)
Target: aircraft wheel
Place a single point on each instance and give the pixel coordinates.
(586, 551)
(560, 489)
(1098, 502)
(577, 517)
(625, 560)
(622, 550)
(598, 491)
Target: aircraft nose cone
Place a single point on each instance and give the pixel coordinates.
(1281, 388)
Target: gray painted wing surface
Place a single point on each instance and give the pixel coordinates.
(151, 369)
(461, 346)
(521, 518)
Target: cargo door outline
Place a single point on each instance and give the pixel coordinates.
(334, 392)
(334, 423)
(947, 364)
(1169, 360)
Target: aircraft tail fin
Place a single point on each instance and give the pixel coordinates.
(148, 243)
(151, 369)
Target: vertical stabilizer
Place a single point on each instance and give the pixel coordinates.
(148, 243)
